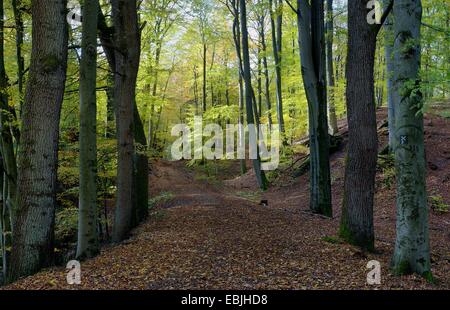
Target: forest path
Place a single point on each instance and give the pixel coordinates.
(205, 236)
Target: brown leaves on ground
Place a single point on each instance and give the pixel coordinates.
(209, 237)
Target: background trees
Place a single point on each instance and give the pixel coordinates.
(194, 59)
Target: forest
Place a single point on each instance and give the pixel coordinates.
(224, 144)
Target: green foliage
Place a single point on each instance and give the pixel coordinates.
(387, 166)
(66, 226)
(332, 240)
(438, 204)
(253, 196)
(161, 199)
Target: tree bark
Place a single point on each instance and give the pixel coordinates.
(88, 239)
(18, 21)
(140, 159)
(127, 54)
(330, 71)
(266, 70)
(260, 176)
(204, 95)
(276, 46)
(237, 44)
(412, 248)
(388, 49)
(312, 55)
(359, 186)
(8, 169)
(38, 152)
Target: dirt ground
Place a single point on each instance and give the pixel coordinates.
(218, 236)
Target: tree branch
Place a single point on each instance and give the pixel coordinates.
(291, 6)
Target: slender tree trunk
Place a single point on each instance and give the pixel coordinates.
(359, 186)
(141, 171)
(159, 114)
(388, 49)
(8, 171)
(110, 126)
(248, 90)
(211, 67)
(412, 248)
(154, 92)
(105, 34)
(204, 77)
(88, 239)
(266, 71)
(237, 43)
(259, 84)
(330, 71)
(277, 45)
(6, 132)
(17, 10)
(38, 153)
(127, 52)
(313, 62)
(3, 230)
(196, 96)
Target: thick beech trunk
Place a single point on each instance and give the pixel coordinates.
(88, 240)
(38, 153)
(412, 248)
(359, 186)
(312, 54)
(127, 54)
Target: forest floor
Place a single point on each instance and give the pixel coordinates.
(216, 235)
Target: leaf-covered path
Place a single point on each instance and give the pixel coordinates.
(215, 237)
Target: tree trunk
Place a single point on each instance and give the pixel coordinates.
(88, 240)
(154, 91)
(330, 71)
(259, 83)
(237, 44)
(260, 176)
(266, 71)
(204, 77)
(38, 153)
(388, 49)
(412, 248)
(312, 55)
(110, 131)
(140, 160)
(276, 46)
(127, 53)
(359, 186)
(17, 10)
(8, 171)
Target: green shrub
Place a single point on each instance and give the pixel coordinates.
(386, 164)
(162, 198)
(66, 226)
(438, 204)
